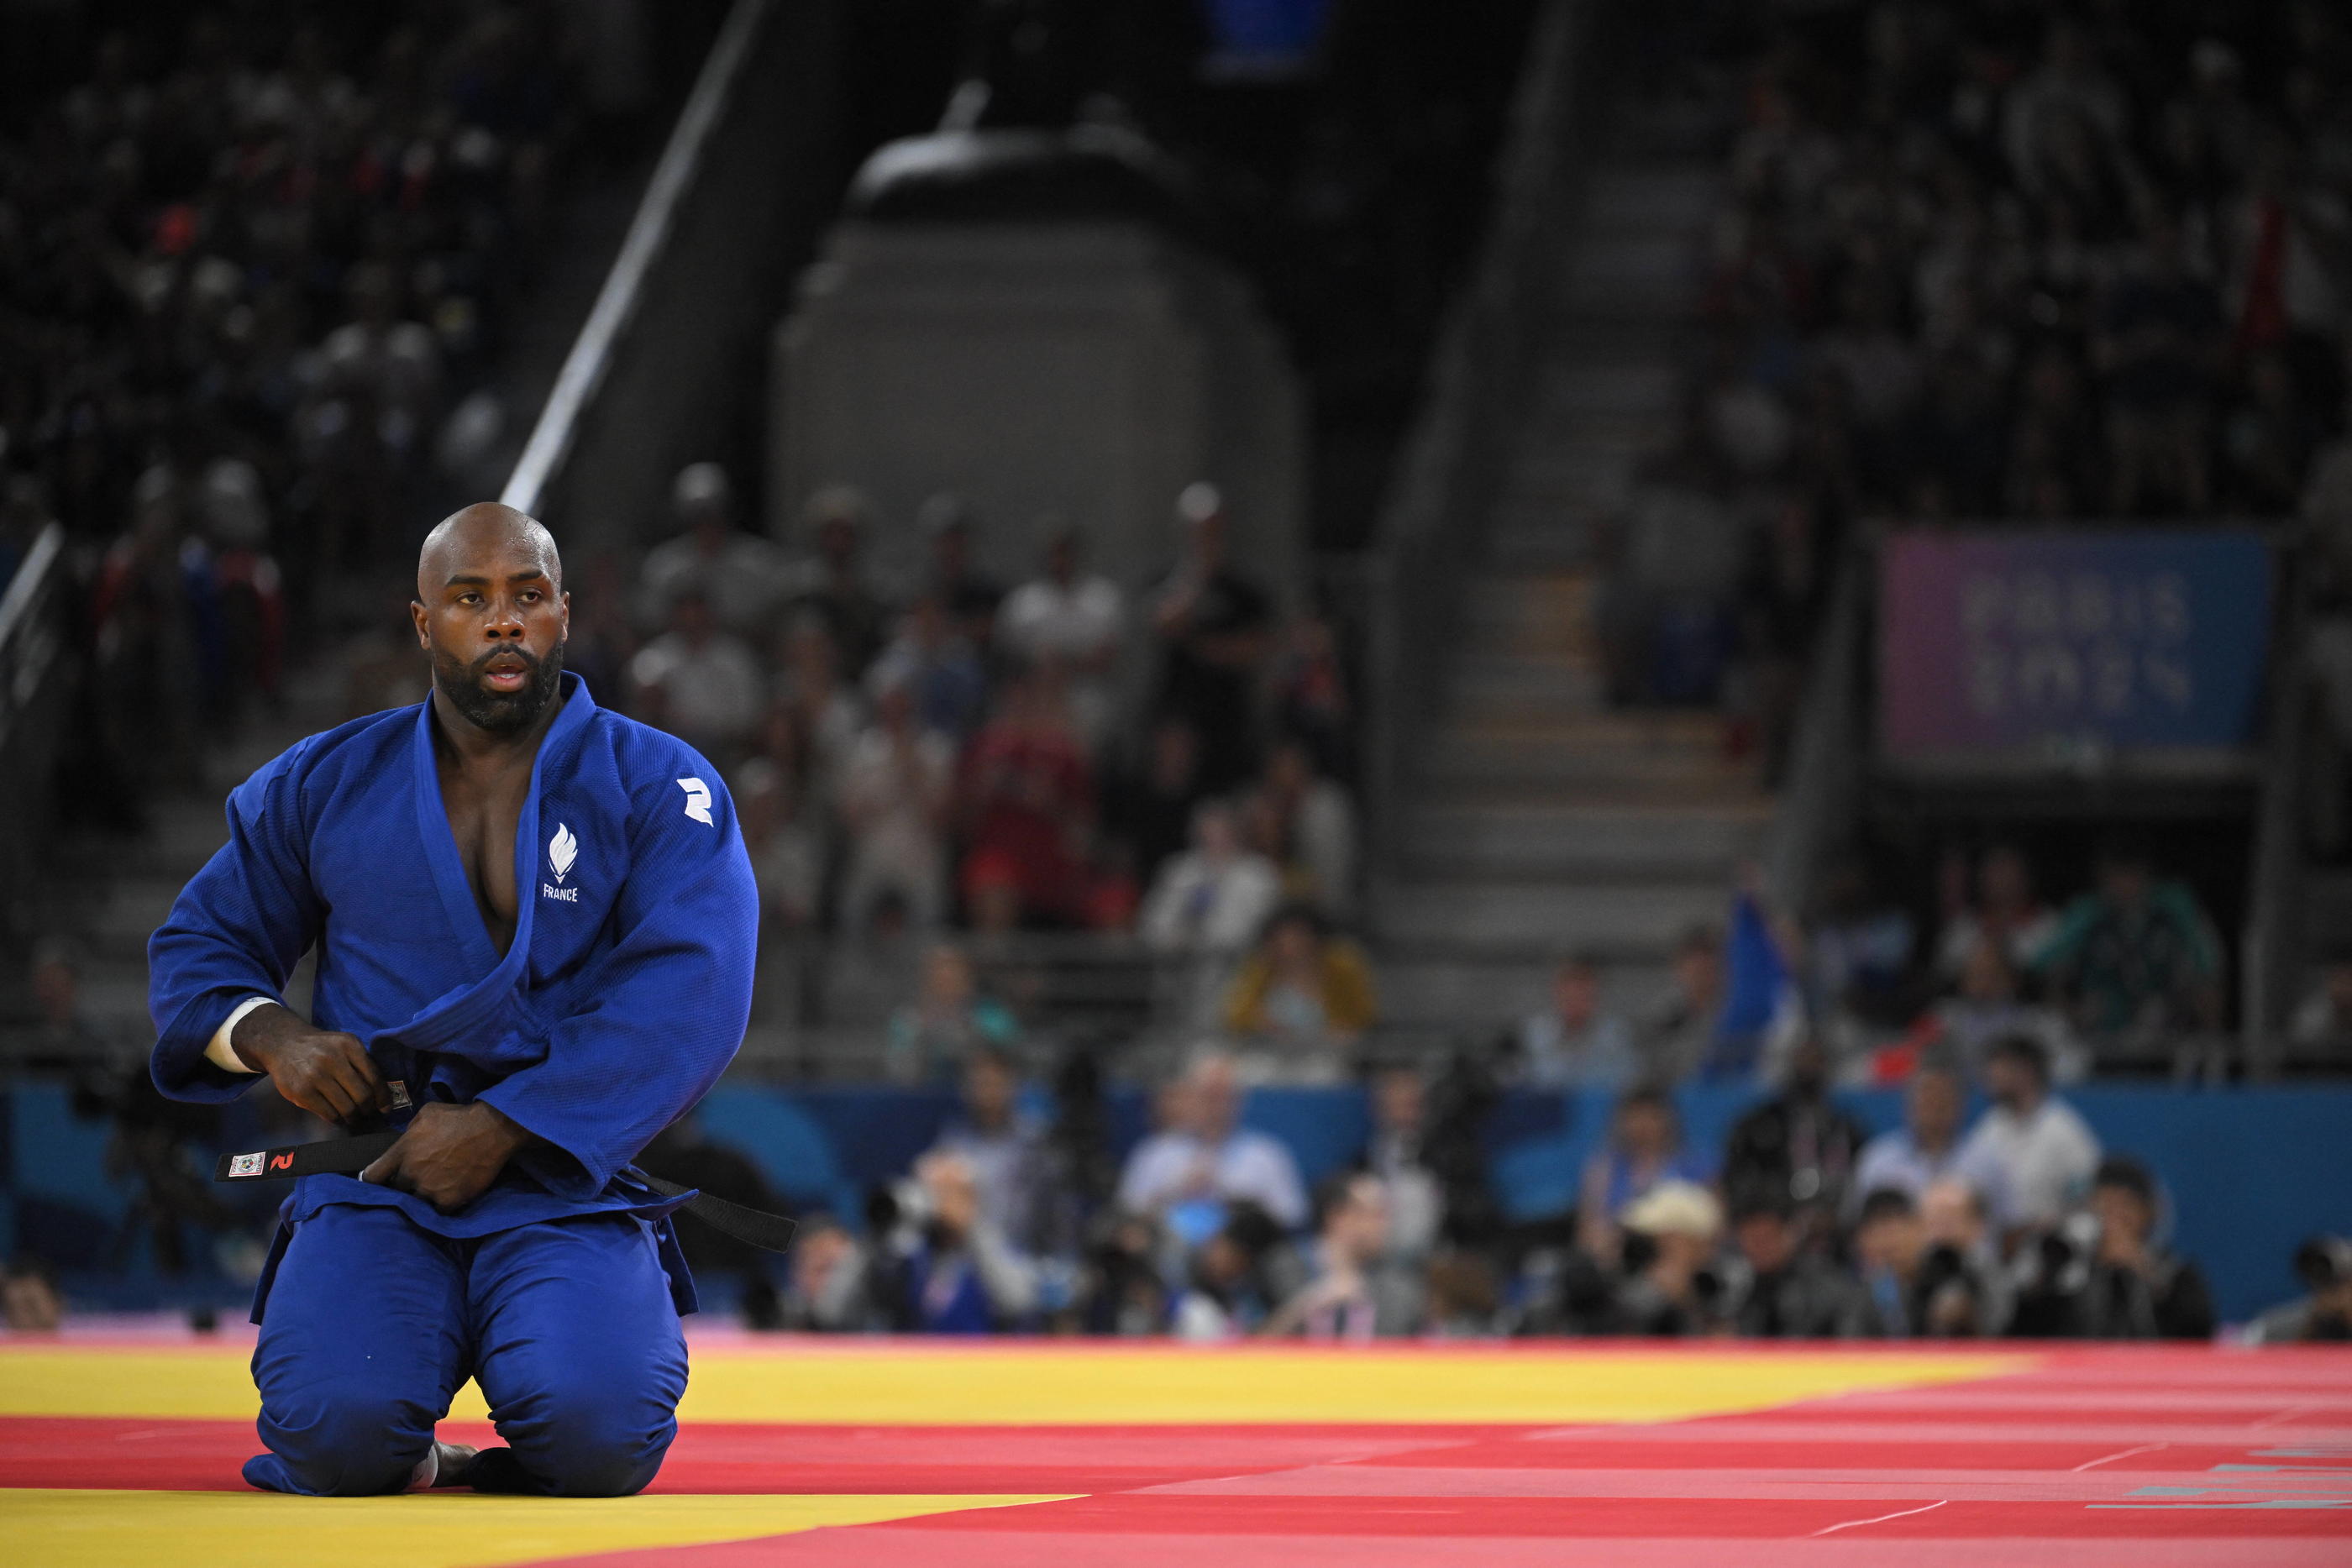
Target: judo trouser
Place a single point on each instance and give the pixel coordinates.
(373, 1323)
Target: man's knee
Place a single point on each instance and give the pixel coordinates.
(344, 1437)
(584, 1440)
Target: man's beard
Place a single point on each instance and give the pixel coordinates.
(500, 712)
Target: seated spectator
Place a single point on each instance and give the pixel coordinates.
(2045, 1151)
(1315, 823)
(822, 709)
(699, 683)
(1777, 1287)
(1078, 618)
(1962, 1028)
(967, 596)
(786, 846)
(1010, 1164)
(1211, 623)
(1156, 801)
(1124, 1293)
(897, 785)
(2006, 916)
(2136, 959)
(1225, 1297)
(1200, 1161)
(955, 1273)
(1340, 1304)
(1464, 1299)
(1028, 804)
(1669, 1286)
(1305, 994)
(2321, 1030)
(1644, 1151)
(938, 666)
(1679, 1032)
(948, 1020)
(1797, 1150)
(1927, 1148)
(1396, 1152)
(740, 576)
(1573, 1044)
(831, 584)
(1954, 1216)
(1310, 686)
(2324, 1315)
(1916, 1287)
(1858, 951)
(831, 1285)
(1214, 898)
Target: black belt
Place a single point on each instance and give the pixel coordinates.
(349, 1156)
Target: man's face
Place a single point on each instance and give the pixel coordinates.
(1575, 994)
(1397, 1100)
(1643, 1129)
(1934, 1109)
(2120, 1213)
(1360, 1228)
(1211, 1103)
(1767, 1242)
(2009, 1081)
(987, 1091)
(492, 614)
(1893, 1241)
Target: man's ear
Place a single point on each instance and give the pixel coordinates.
(416, 619)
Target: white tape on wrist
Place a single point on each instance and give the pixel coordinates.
(222, 1054)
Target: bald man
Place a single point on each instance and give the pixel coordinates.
(534, 923)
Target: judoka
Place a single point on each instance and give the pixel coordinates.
(535, 923)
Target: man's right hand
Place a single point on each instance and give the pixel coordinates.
(325, 1073)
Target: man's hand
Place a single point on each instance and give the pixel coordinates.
(450, 1154)
(327, 1074)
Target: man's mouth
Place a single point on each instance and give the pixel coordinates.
(505, 672)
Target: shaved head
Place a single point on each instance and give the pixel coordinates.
(464, 532)
(492, 614)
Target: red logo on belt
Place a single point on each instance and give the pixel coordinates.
(281, 1162)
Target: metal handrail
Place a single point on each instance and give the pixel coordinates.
(2275, 926)
(1454, 462)
(26, 656)
(1825, 759)
(624, 286)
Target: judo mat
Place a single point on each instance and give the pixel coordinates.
(119, 1447)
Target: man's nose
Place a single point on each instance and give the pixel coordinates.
(506, 620)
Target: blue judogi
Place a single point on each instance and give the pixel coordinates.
(623, 995)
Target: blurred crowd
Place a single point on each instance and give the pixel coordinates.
(1802, 1226)
(1988, 262)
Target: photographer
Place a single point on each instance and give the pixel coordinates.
(1919, 1287)
(1670, 1288)
(953, 1272)
(2324, 1263)
(2102, 1275)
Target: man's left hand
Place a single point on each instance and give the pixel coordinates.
(450, 1154)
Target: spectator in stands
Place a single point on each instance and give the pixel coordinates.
(2005, 915)
(819, 706)
(602, 640)
(1157, 797)
(1915, 1288)
(1954, 1217)
(787, 855)
(1927, 1148)
(896, 786)
(2042, 1147)
(1645, 1151)
(1574, 1043)
(64, 1039)
(832, 584)
(967, 595)
(1310, 694)
(1962, 1028)
(30, 1301)
(2321, 1315)
(2321, 1030)
(1200, 1160)
(956, 1274)
(1858, 950)
(1670, 1287)
(1796, 1151)
(1306, 994)
(2136, 959)
(831, 1291)
(1313, 821)
(1397, 1152)
(699, 683)
(1010, 1166)
(1225, 1297)
(1028, 803)
(740, 576)
(1777, 1287)
(1077, 618)
(2160, 343)
(1341, 1302)
(939, 668)
(949, 1019)
(2107, 1278)
(1214, 898)
(1679, 1032)
(1211, 624)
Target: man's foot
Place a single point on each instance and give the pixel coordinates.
(443, 1464)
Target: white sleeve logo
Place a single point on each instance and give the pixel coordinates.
(698, 800)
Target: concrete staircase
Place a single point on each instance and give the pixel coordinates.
(1539, 818)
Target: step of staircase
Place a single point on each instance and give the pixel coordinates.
(1620, 919)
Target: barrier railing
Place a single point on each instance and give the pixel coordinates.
(1453, 467)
